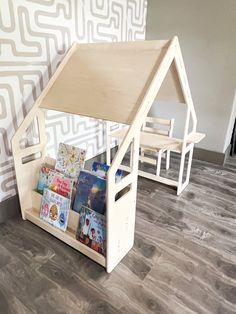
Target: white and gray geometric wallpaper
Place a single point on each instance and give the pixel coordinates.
(34, 37)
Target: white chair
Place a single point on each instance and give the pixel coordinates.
(156, 139)
(152, 125)
(159, 126)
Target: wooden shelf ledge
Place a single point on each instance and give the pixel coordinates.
(67, 236)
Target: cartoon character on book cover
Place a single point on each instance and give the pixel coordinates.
(55, 209)
(92, 230)
(91, 192)
(70, 160)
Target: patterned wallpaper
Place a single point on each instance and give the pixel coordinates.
(34, 37)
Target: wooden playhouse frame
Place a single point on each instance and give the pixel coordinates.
(114, 82)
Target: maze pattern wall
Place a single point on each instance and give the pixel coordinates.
(34, 37)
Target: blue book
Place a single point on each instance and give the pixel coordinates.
(101, 170)
(90, 192)
(92, 230)
(43, 178)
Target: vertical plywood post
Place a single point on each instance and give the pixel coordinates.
(121, 212)
(28, 160)
(108, 142)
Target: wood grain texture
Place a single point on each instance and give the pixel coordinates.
(183, 259)
(127, 57)
(111, 76)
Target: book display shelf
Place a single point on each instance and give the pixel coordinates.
(113, 82)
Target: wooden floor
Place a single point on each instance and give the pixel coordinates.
(183, 260)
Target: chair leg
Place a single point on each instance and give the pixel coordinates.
(181, 171)
(167, 159)
(190, 158)
(142, 155)
(159, 163)
(182, 185)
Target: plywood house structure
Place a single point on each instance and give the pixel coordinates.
(114, 82)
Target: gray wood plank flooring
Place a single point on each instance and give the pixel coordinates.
(183, 259)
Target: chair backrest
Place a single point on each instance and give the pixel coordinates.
(159, 126)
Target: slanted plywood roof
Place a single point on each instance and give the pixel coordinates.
(108, 80)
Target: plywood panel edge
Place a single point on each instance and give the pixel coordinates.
(162, 45)
(141, 44)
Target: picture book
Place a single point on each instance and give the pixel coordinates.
(70, 160)
(55, 209)
(43, 178)
(60, 184)
(101, 170)
(92, 230)
(90, 192)
(51, 176)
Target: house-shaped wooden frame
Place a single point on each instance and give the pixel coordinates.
(114, 82)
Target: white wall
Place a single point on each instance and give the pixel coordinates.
(206, 30)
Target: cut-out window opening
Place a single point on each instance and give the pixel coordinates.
(31, 157)
(31, 136)
(123, 192)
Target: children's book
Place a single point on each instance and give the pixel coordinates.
(90, 192)
(60, 184)
(70, 160)
(55, 209)
(92, 230)
(51, 176)
(43, 178)
(101, 170)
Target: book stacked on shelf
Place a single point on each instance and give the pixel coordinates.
(70, 186)
(70, 160)
(43, 177)
(90, 202)
(56, 185)
(92, 230)
(90, 192)
(101, 170)
(55, 209)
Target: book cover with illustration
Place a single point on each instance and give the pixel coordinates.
(43, 178)
(101, 170)
(60, 184)
(92, 230)
(90, 192)
(70, 160)
(55, 209)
